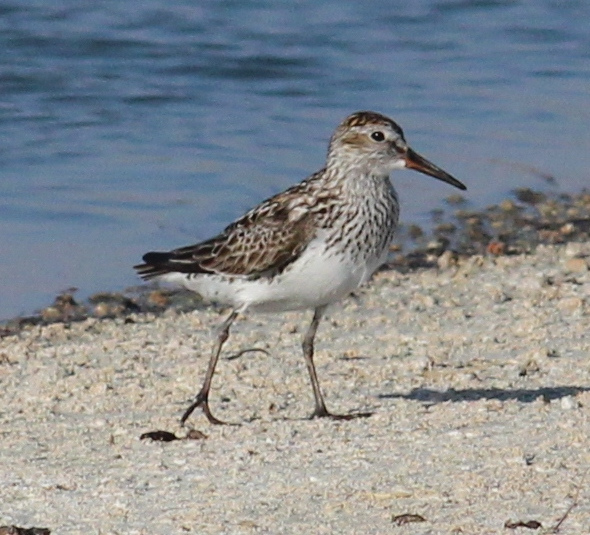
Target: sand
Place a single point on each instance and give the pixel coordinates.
(477, 374)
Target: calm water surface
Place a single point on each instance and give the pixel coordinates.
(131, 126)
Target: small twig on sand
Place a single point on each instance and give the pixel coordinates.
(555, 529)
(249, 350)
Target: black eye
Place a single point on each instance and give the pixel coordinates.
(378, 136)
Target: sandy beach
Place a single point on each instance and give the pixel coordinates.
(477, 374)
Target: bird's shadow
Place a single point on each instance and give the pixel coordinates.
(524, 395)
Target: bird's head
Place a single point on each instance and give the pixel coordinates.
(376, 144)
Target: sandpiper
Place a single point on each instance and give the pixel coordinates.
(306, 247)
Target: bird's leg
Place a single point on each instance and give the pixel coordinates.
(202, 398)
(320, 410)
(320, 405)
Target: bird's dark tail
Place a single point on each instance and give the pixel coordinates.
(155, 264)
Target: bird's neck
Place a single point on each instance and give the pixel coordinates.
(357, 180)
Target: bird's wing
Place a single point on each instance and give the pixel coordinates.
(261, 243)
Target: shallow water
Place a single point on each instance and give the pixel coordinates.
(128, 127)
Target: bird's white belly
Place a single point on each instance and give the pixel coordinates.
(317, 278)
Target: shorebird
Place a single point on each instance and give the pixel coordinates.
(304, 248)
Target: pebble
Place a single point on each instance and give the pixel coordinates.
(576, 265)
(447, 259)
(568, 403)
(570, 304)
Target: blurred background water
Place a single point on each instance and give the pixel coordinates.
(132, 126)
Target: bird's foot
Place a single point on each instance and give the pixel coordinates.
(202, 400)
(322, 412)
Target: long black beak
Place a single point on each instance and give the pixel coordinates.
(419, 163)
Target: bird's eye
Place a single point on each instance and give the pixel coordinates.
(378, 136)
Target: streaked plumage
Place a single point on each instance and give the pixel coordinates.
(308, 246)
